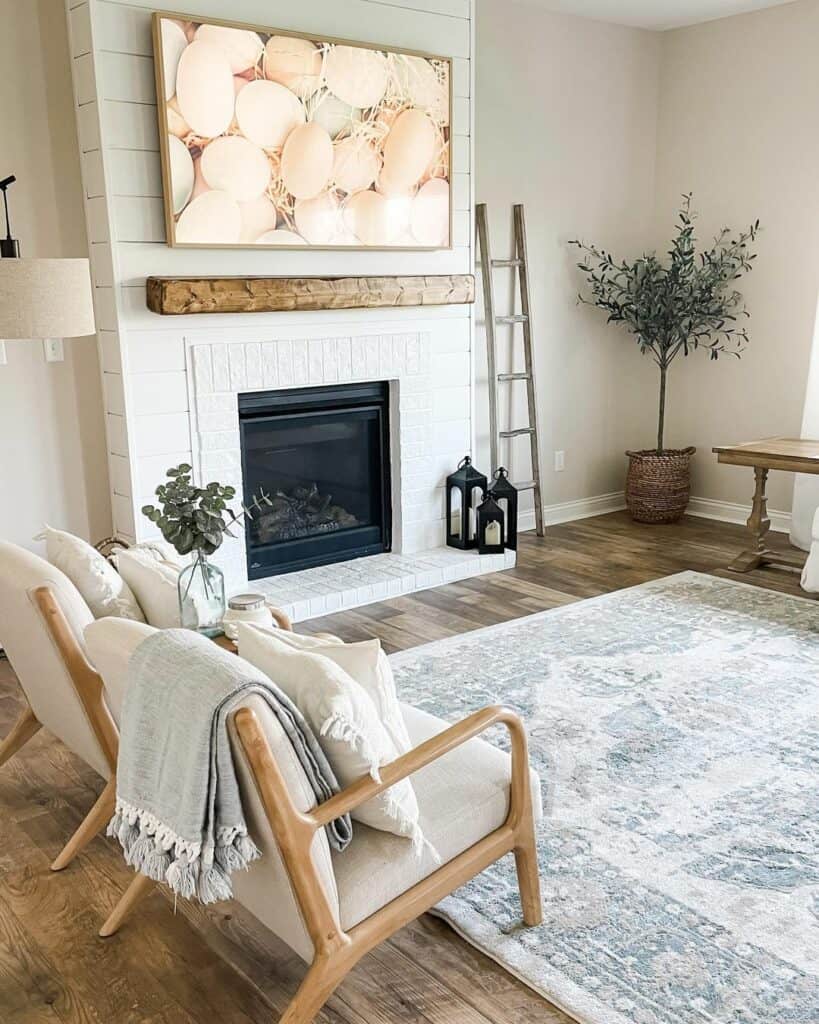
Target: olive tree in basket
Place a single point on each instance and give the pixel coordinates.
(672, 307)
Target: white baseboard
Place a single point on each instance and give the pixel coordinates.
(567, 511)
(730, 512)
(600, 504)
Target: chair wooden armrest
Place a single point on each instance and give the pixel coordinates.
(282, 619)
(425, 753)
(87, 681)
(90, 690)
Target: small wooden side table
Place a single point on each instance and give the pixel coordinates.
(792, 455)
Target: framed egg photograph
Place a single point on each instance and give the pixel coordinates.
(270, 139)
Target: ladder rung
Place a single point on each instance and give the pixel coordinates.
(518, 318)
(517, 433)
(513, 376)
(527, 485)
(501, 263)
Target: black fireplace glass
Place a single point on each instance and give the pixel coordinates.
(322, 455)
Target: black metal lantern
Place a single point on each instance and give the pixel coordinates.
(460, 522)
(502, 490)
(491, 539)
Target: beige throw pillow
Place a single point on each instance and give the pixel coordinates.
(103, 589)
(345, 720)
(370, 667)
(152, 572)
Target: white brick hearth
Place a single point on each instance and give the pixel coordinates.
(426, 393)
(333, 588)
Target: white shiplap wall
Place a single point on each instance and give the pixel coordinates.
(144, 357)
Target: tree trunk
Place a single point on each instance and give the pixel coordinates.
(661, 421)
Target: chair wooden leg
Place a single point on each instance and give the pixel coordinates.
(95, 821)
(318, 985)
(21, 732)
(528, 873)
(140, 887)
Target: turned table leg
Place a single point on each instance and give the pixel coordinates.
(758, 524)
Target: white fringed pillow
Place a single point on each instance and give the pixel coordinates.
(345, 720)
(103, 589)
(152, 570)
(370, 667)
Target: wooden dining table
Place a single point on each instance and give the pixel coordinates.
(793, 455)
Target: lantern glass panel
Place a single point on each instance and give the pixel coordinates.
(456, 512)
(491, 532)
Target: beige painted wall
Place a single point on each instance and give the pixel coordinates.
(599, 129)
(566, 112)
(52, 451)
(739, 109)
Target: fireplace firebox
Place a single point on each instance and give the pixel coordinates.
(322, 455)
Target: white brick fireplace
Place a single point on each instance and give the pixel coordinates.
(171, 383)
(221, 372)
(430, 398)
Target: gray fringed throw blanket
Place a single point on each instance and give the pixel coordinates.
(179, 813)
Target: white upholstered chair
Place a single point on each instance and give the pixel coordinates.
(42, 618)
(477, 803)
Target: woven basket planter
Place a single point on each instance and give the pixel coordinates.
(658, 486)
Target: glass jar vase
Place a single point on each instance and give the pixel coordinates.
(202, 596)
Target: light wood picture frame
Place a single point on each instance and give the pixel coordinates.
(271, 139)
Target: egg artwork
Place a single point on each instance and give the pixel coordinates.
(270, 139)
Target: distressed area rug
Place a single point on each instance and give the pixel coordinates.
(675, 727)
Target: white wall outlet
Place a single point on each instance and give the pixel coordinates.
(560, 462)
(3, 359)
(53, 348)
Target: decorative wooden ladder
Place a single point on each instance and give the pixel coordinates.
(518, 262)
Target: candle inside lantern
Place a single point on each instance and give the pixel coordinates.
(493, 533)
(455, 523)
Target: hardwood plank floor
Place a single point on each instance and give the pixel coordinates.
(201, 965)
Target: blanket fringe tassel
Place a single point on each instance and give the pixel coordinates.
(184, 872)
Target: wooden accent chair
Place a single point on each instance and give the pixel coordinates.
(42, 618)
(476, 803)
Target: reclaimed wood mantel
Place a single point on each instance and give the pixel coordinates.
(176, 296)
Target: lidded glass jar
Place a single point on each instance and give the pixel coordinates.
(246, 608)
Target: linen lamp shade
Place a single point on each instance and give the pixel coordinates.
(45, 299)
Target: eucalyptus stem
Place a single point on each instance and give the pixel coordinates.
(197, 519)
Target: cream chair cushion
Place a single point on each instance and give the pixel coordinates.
(264, 889)
(103, 589)
(33, 655)
(462, 796)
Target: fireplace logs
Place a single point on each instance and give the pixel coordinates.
(303, 512)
